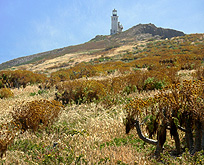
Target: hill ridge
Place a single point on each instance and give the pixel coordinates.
(139, 32)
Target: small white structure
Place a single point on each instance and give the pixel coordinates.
(116, 27)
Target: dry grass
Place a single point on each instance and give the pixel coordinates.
(93, 124)
(20, 95)
(74, 58)
(87, 133)
(186, 74)
(102, 127)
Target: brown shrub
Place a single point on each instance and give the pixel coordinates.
(34, 113)
(80, 91)
(6, 93)
(28, 116)
(18, 78)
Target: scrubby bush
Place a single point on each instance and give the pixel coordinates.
(178, 107)
(151, 83)
(129, 89)
(80, 91)
(5, 93)
(18, 78)
(30, 115)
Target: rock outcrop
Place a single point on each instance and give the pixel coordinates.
(153, 30)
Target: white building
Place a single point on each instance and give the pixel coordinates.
(116, 27)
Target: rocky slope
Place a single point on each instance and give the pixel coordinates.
(152, 30)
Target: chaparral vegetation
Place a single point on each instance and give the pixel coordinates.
(141, 106)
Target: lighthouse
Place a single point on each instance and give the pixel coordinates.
(116, 27)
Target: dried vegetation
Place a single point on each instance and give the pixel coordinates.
(147, 83)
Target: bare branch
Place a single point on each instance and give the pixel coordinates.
(141, 136)
(182, 129)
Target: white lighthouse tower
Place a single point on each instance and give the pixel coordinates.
(115, 25)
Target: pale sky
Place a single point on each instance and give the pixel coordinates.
(33, 26)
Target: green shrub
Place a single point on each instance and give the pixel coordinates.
(41, 92)
(129, 89)
(151, 83)
(32, 94)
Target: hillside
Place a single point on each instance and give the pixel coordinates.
(101, 105)
(141, 32)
